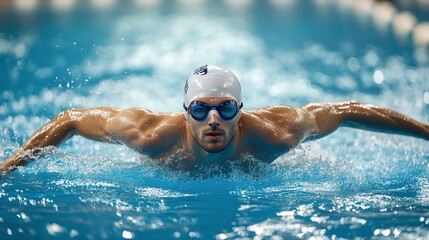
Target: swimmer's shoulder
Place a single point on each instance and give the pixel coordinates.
(278, 125)
(270, 113)
(134, 113)
(142, 114)
(143, 129)
(145, 120)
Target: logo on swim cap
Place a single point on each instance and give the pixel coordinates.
(201, 70)
(212, 81)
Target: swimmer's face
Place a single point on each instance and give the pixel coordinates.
(213, 133)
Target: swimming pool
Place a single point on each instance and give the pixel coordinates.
(352, 184)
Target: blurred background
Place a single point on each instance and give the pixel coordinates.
(148, 47)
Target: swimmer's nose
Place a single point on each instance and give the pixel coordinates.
(214, 120)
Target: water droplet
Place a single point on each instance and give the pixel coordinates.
(54, 228)
(426, 97)
(20, 50)
(376, 231)
(74, 233)
(378, 77)
(127, 234)
(396, 232)
(385, 232)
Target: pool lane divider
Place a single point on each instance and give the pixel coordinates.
(384, 15)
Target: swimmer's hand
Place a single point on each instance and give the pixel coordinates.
(19, 158)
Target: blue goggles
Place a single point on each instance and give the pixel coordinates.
(226, 110)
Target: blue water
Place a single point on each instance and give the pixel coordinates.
(350, 185)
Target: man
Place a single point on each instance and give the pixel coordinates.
(213, 128)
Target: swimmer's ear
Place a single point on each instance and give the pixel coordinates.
(186, 113)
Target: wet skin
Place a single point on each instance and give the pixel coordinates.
(263, 134)
(213, 134)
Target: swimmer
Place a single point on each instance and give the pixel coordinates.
(213, 126)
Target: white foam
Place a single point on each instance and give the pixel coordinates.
(159, 192)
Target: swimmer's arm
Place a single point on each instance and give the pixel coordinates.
(90, 123)
(329, 116)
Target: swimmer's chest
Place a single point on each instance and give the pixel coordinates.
(186, 159)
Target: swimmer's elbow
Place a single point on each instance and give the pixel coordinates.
(69, 119)
(328, 117)
(91, 123)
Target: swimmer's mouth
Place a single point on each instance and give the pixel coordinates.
(214, 135)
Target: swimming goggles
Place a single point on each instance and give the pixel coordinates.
(226, 110)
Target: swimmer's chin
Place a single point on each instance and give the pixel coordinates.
(214, 149)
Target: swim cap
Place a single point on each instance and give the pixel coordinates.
(212, 81)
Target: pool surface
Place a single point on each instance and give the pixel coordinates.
(352, 184)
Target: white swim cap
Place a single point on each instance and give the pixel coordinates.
(212, 81)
